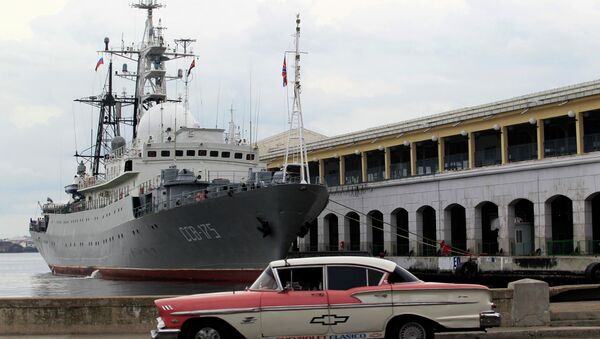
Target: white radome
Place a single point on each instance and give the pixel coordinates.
(159, 122)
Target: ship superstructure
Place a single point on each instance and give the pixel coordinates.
(178, 200)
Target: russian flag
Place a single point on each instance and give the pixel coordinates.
(284, 72)
(100, 62)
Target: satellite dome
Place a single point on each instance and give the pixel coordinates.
(159, 122)
(117, 142)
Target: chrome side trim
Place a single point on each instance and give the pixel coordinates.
(223, 311)
(343, 306)
(294, 308)
(433, 303)
(164, 334)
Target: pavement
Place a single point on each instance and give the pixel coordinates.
(500, 332)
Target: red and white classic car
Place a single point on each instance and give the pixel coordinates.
(329, 297)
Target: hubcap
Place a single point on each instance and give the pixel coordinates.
(412, 330)
(207, 333)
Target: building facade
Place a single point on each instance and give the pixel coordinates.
(515, 177)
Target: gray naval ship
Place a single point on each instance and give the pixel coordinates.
(177, 201)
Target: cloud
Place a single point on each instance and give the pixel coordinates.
(25, 116)
(16, 19)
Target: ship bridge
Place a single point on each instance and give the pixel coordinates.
(514, 177)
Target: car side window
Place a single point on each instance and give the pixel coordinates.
(340, 278)
(374, 277)
(301, 278)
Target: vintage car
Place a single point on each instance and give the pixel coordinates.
(329, 297)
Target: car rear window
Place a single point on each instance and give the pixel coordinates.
(401, 275)
(346, 277)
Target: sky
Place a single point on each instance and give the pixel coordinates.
(368, 63)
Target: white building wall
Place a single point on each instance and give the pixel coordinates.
(576, 177)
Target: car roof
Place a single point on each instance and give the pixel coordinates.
(379, 263)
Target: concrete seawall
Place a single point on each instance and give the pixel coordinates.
(60, 315)
(44, 315)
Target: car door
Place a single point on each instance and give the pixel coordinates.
(300, 309)
(358, 299)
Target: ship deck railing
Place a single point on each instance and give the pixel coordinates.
(200, 195)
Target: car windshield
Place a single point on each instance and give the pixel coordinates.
(266, 281)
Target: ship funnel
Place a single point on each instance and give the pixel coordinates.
(106, 41)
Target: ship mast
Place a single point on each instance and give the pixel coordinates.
(150, 84)
(295, 140)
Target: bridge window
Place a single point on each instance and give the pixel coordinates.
(427, 157)
(190, 153)
(179, 153)
(165, 153)
(214, 154)
(238, 156)
(353, 169)
(250, 156)
(151, 154)
(559, 137)
(225, 154)
(332, 171)
(399, 162)
(522, 142)
(202, 153)
(456, 153)
(591, 131)
(487, 148)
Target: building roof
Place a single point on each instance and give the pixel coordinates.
(382, 264)
(526, 102)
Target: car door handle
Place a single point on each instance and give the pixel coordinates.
(320, 294)
(381, 295)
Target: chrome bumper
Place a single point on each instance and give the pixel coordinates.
(489, 319)
(164, 333)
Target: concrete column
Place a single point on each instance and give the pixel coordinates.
(539, 227)
(504, 144)
(441, 155)
(506, 224)
(321, 171)
(323, 234)
(444, 226)
(342, 170)
(582, 232)
(540, 139)
(363, 166)
(387, 234)
(415, 228)
(344, 232)
(474, 235)
(413, 159)
(579, 132)
(388, 163)
(366, 237)
(471, 150)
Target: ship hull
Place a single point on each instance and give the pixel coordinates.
(229, 238)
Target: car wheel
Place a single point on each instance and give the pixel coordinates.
(207, 330)
(412, 329)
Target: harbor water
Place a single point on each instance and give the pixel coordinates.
(27, 275)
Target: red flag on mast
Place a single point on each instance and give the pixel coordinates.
(192, 65)
(284, 72)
